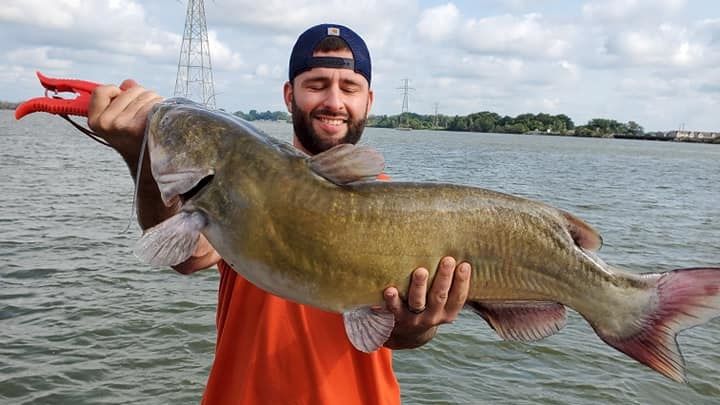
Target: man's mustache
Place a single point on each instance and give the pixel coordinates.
(330, 113)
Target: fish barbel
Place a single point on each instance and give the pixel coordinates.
(319, 231)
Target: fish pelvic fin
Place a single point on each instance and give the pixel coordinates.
(172, 241)
(522, 321)
(368, 330)
(684, 298)
(347, 163)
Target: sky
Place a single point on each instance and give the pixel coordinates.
(656, 62)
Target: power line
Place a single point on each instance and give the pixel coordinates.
(194, 78)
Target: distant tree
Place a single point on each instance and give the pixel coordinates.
(254, 115)
(635, 129)
(6, 105)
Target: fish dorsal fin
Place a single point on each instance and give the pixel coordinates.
(368, 330)
(523, 321)
(172, 241)
(583, 234)
(347, 163)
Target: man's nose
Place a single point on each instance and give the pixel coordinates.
(334, 99)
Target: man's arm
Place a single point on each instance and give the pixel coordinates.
(119, 117)
(440, 305)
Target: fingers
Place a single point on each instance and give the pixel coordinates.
(99, 101)
(440, 305)
(459, 290)
(440, 289)
(393, 303)
(138, 109)
(128, 83)
(117, 116)
(446, 296)
(418, 290)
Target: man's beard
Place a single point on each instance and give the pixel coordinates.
(305, 133)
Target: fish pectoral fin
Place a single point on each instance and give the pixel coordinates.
(172, 241)
(583, 234)
(347, 163)
(523, 321)
(368, 330)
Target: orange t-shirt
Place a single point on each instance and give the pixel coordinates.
(273, 351)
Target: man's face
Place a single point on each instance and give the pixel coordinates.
(329, 106)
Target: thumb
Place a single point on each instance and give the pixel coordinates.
(127, 84)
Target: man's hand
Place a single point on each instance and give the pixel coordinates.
(119, 116)
(416, 322)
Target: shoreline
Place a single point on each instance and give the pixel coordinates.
(668, 136)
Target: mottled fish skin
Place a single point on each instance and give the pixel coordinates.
(299, 236)
(273, 216)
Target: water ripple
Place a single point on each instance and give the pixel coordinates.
(82, 321)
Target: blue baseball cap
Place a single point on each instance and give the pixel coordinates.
(302, 59)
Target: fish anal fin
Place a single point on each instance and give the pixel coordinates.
(347, 163)
(583, 234)
(523, 321)
(368, 330)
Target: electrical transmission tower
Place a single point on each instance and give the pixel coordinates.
(194, 75)
(406, 90)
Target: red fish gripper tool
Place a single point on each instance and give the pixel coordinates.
(57, 105)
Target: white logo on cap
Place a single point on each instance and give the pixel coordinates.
(334, 31)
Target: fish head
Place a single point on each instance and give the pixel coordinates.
(185, 144)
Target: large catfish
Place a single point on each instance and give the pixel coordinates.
(319, 231)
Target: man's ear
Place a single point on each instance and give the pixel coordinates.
(288, 96)
(371, 98)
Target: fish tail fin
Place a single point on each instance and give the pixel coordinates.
(683, 298)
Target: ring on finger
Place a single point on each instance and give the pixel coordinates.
(417, 311)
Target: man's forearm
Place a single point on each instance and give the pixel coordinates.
(150, 208)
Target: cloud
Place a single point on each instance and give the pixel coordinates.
(69, 14)
(528, 35)
(667, 45)
(40, 58)
(274, 19)
(221, 56)
(438, 23)
(621, 11)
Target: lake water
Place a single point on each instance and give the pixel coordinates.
(82, 321)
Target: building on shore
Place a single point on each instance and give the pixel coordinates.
(696, 136)
(676, 135)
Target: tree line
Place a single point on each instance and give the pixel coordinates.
(487, 121)
(254, 115)
(6, 105)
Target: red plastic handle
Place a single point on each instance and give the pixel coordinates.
(71, 85)
(78, 106)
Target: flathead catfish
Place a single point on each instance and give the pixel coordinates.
(318, 231)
